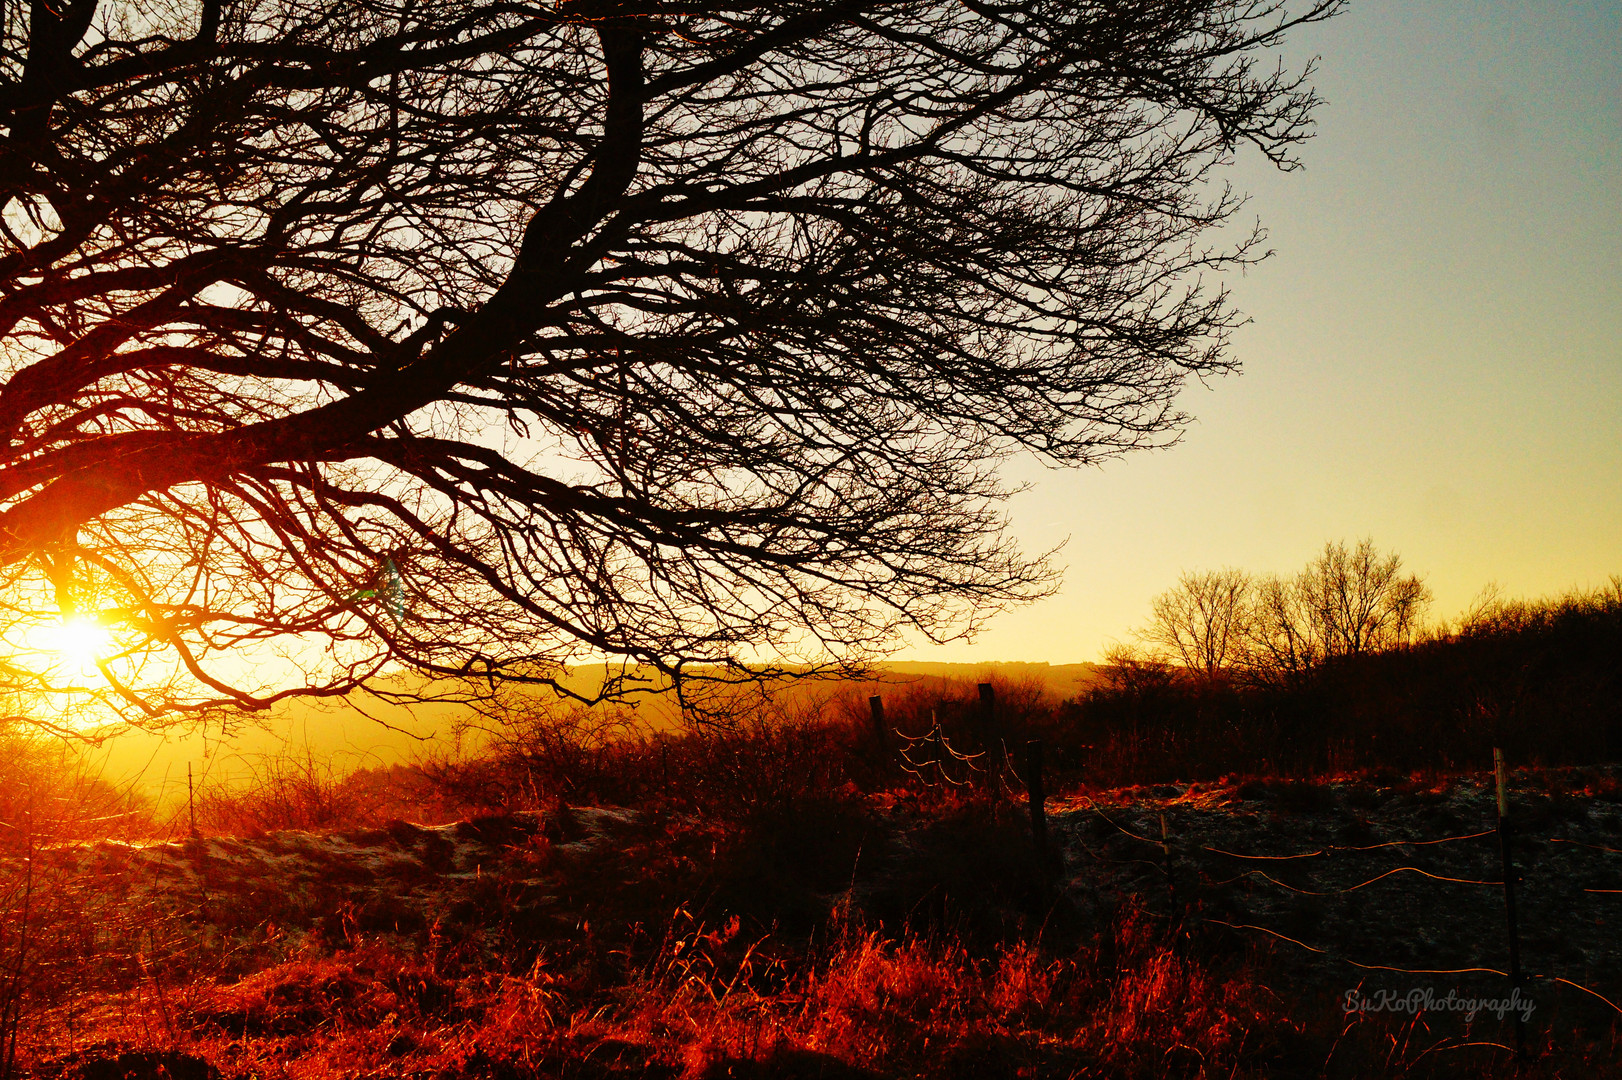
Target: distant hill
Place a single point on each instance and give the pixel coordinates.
(1063, 681)
(347, 735)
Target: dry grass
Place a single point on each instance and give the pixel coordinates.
(785, 903)
(1138, 1001)
(712, 1004)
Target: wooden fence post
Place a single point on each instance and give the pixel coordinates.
(1501, 774)
(937, 747)
(1165, 856)
(881, 738)
(991, 739)
(1038, 800)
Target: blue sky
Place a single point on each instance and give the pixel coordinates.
(1435, 359)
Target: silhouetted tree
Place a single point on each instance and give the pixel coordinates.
(1345, 603)
(1284, 643)
(485, 337)
(1204, 621)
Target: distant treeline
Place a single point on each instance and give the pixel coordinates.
(1539, 679)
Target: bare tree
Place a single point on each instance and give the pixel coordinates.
(1346, 602)
(485, 338)
(1361, 599)
(1284, 642)
(1204, 621)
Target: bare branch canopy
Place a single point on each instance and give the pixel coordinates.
(481, 338)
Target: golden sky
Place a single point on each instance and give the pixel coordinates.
(1436, 354)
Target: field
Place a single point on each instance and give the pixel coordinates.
(785, 898)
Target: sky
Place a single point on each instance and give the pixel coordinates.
(1435, 354)
(1434, 361)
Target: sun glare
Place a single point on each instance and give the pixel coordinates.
(80, 642)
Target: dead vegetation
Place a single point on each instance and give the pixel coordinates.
(777, 901)
(780, 897)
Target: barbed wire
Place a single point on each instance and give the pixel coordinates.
(1579, 843)
(1414, 971)
(1359, 885)
(1325, 850)
(1158, 867)
(1331, 848)
(1579, 986)
(1328, 849)
(1354, 963)
(1330, 892)
(1445, 1045)
(1127, 832)
(942, 752)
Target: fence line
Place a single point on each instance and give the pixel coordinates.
(941, 752)
(1353, 888)
(1117, 828)
(1354, 963)
(1580, 986)
(1445, 1045)
(1579, 843)
(1358, 847)
(1412, 971)
(937, 742)
(1158, 867)
(1327, 849)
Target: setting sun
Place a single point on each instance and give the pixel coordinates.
(80, 641)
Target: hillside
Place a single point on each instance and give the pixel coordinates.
(618, 942)
(349, 736)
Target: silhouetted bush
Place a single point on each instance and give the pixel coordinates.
(1538, 679)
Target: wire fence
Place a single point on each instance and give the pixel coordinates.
(1510, 878)
(931, 758)
(126, 928)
